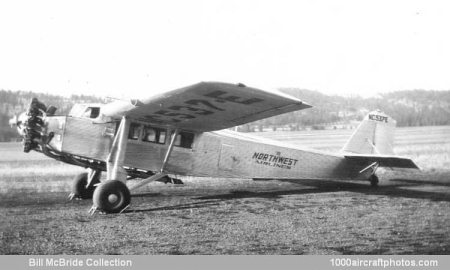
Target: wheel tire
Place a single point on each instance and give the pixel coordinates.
(374, 180)
(79, 189)
(112, 196)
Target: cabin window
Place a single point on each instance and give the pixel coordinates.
(135, 130)
(184, 139)
(155, 135)
(149, 135)
(162, 136)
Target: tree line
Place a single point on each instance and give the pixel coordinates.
(409, 108)
(15, 102)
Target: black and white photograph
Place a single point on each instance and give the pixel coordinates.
(224, 127)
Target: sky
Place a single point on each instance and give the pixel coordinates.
(127, 49)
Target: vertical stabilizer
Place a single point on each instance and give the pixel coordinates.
(375, 135)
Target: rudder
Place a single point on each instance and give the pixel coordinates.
(375, 135)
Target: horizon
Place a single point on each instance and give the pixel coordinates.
(133, 50)
(68, 95)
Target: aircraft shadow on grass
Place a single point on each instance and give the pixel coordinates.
(393, 188)
(195, 205)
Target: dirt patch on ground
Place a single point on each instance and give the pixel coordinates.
(406, 215)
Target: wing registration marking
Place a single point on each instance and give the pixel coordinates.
(192, 108)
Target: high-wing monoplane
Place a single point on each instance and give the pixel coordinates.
(184, 132)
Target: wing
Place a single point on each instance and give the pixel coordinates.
(384, 161)
(207, 106)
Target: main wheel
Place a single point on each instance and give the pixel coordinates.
(112, 196)
(374, 180)
(79, 189)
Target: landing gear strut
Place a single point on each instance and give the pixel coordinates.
(374, 180)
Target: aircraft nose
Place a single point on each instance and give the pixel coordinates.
(30, 125)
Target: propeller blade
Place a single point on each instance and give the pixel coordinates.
(13, 121)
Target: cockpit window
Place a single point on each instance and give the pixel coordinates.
(95, 111)
(91, 112)
(85, 111)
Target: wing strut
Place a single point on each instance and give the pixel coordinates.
(161, 173)
(169, 150)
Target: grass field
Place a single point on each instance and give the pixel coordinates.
(408, 213)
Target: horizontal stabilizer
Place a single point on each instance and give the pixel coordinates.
(384, 161)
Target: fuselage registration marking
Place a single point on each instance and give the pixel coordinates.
(274, 160)
(378, 118)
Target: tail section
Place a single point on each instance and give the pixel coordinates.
(374, 136)
(371, 146)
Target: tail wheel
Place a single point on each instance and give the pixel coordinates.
(111, 196)
(374, 180)
(79, 189)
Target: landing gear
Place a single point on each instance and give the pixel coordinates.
(82, 188)
(374, 180)
(112, 196)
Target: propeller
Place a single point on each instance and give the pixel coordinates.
(13, 121)
(19, 122)
(31, 123)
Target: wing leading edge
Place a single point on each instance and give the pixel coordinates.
(207, 106)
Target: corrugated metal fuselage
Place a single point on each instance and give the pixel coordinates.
(231, 154)
(220, 154)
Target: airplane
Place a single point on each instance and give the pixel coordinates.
(186, 132)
